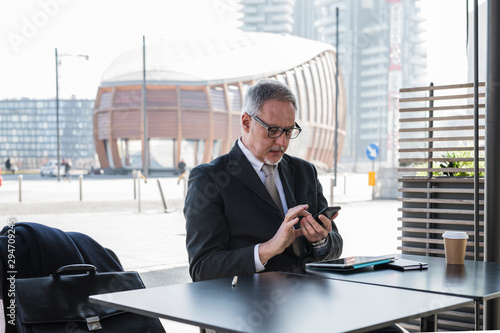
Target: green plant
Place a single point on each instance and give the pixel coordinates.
(452, 164)
(460, 164)
(449, 164)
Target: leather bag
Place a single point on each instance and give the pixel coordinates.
(59, 303)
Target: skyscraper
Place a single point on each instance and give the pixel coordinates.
(268, 15)
(380, 50)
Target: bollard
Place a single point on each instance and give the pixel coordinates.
(371, 182)
(139, 189)
(345, 184)
(134, 178)
(183, 178)
(165, 208)
(332, 185)
(20, 177)
(162, 196)
(80, 180)
(185, 187)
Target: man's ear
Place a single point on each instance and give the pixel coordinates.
(245, 122)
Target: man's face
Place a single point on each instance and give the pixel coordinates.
(254, 137)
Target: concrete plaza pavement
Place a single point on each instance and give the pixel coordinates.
(151, 240)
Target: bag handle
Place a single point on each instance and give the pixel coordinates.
(72, 269)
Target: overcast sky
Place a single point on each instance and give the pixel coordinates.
(102, 29)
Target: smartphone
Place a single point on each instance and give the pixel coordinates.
(329, 212)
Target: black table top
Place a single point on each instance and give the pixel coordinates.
(279, 302)
(475, 279)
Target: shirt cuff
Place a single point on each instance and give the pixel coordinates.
(259, 267)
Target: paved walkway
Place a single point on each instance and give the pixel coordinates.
(152, 241)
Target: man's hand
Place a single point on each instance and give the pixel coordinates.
(313, 231)
(286, 234)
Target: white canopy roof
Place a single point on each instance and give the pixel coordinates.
(238, 56)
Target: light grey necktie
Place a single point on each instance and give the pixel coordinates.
(271, 186)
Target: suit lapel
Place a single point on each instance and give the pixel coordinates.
(287, 175)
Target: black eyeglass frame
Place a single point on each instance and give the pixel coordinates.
(283, 130)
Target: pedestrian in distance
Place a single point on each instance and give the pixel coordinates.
(67, 169)
(181, 166)
(10, 167)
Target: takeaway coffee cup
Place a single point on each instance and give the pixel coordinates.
(455, 243)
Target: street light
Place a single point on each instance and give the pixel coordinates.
(336, 144)
(57, 106)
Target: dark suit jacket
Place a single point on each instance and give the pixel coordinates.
(228, 211)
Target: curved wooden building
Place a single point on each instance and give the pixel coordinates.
(194, 94)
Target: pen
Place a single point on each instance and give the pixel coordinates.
(235, 280)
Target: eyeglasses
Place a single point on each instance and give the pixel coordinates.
(275, 132)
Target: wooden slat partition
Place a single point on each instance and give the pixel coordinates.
(436, 175)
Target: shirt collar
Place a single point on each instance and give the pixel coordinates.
(254, 161)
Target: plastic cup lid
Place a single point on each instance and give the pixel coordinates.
(455, 235)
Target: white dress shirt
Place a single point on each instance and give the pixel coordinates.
(257, 165)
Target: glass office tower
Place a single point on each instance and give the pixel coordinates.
(381, 49)
(28, 132)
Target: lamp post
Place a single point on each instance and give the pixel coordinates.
(336, 96)
(145, 135)
(57, 107)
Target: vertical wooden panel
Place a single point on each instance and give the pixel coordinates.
(207, 156)
(179, 127)
(110, 129)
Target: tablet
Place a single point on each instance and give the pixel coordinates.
(349, 263)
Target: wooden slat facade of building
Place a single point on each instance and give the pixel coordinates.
(210, 115)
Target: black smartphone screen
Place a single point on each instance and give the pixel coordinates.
(329, 212)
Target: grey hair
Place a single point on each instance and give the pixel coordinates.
(263, 91)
